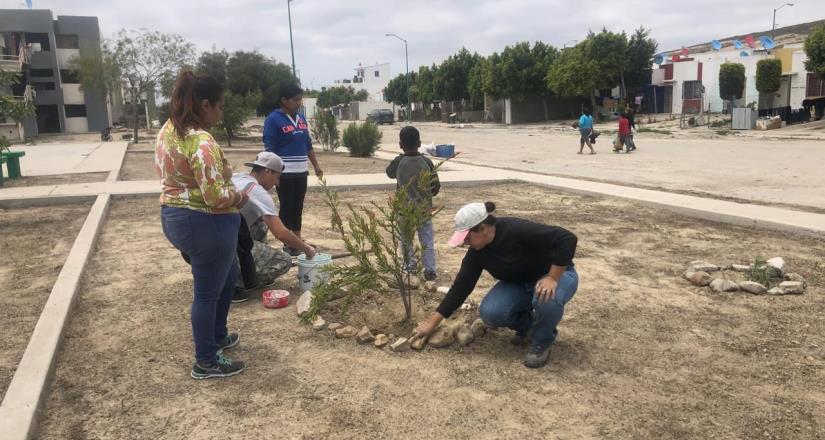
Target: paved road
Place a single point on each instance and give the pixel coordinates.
(790, 172)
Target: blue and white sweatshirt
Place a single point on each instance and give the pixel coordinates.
(288, 138)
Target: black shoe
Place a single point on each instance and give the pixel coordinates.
(430, 276)
(292, 251)
(229, 341)
(537, 356)
(221, 367)
(240, 295)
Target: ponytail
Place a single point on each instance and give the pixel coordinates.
(189, 91)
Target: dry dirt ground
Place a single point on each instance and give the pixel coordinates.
(139, 165)
(640, 354)
(56, 179)
(34, 243)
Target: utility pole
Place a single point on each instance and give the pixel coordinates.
(773, 27)
(406, 76)
(291, 48)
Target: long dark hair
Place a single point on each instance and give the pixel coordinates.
(288, 90)
(190, 90)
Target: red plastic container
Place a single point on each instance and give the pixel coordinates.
(275, 299)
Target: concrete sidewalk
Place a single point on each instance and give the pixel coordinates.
(50, 159)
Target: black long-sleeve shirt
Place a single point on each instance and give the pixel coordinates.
(521, 252)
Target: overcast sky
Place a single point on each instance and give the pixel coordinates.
(333, 36)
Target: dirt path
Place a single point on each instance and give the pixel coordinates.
(641, 354)
(57, 179)
(34, 243)
(139, 165)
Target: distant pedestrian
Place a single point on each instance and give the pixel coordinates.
(624, 134)
(631, 116)
(586, 130)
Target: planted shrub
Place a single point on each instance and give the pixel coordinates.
(361, 140)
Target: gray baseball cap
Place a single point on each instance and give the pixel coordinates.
(268, 160)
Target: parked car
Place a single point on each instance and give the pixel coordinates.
(381, 116)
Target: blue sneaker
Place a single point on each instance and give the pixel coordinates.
(229, 341)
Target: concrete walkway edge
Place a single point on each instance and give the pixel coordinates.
(21, 406)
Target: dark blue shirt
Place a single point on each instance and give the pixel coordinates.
(288, 138)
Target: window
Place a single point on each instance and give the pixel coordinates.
(377, 74)
(41, 73)
(67, 41)
(692, 90)
(75, 111)
(69, 77)
(40, 86)
(41, 39)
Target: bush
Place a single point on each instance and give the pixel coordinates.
(361, 140)
(325, 130)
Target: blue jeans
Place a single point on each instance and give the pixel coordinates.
(515, 305)
(210, 241)
(426, 238)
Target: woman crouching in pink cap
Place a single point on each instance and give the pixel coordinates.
(534, 265)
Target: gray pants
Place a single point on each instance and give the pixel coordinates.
(270, 263)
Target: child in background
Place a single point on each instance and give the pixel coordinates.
(406, 168)
(624, 134)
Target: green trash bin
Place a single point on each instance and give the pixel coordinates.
(12, 159)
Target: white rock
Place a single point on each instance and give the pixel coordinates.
(478, 328)
(464, 335)
(740, 267)
(700, 278)
(775, 291)
(418, 343)
(346, 332)
(702, 266)
(796, 277)
(776, 262)
(401, 344)
(381, 340)
(319, 323)
(335, 326)
(723, 285)
(753, 287)
(792, 287)
(365, 335)
(303, 303)
(469, 305)
(442, 337)
(442, 290)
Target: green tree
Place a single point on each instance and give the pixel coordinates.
(396, 90)
(640, 50)
(476, 81)
(237, 108)
(453, 74)
(97, 71)
(573, 73)
(521, 71)
(332, 96)
(600, 61)
(214, 64)
(815, 50)
(731, 81)
(768, 77)
(10, 106)
(145, 59)
(247, 72)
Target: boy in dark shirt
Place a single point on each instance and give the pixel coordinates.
(406, 169)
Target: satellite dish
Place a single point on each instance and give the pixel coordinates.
(744, 53)
(737, 44)
(716, 44)
(659, 59)
(767, 42)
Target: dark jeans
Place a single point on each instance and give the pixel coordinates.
(210, 241)
(291, 192)
(514, 305)
(245, 257)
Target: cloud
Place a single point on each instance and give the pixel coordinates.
(333, 36)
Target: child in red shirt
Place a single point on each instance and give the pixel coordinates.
(624, 133)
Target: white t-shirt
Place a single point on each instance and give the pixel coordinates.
(260, 201)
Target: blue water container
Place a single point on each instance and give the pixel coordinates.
(445, 150)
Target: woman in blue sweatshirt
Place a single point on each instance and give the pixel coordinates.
(286, 133)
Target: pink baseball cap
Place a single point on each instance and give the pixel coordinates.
(468, 216)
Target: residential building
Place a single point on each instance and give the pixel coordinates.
(687, 80)
(373, 79)
(40, 48)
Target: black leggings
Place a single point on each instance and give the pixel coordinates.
(291, 193)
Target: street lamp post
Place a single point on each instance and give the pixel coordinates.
(291, 48)
(773, 27)
(406, 76)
